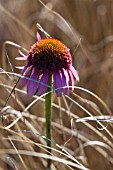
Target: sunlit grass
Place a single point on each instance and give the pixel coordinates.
(81, 124)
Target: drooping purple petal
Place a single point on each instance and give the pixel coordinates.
(58, 83)
(65, 80)
(75, 73)
(21, 58)
(24, 80)
(24, 69)
(71, 78)
(32, 86)
(42, 88)
(38, 36)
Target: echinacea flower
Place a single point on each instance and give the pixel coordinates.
(48, 57)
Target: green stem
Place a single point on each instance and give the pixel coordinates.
(48, 121)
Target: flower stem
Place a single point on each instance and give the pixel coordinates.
(48, 121)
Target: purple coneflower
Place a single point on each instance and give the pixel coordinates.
(48, 57)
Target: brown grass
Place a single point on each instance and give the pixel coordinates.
(86, 27)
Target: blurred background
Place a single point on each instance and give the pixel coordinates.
(84, 26)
